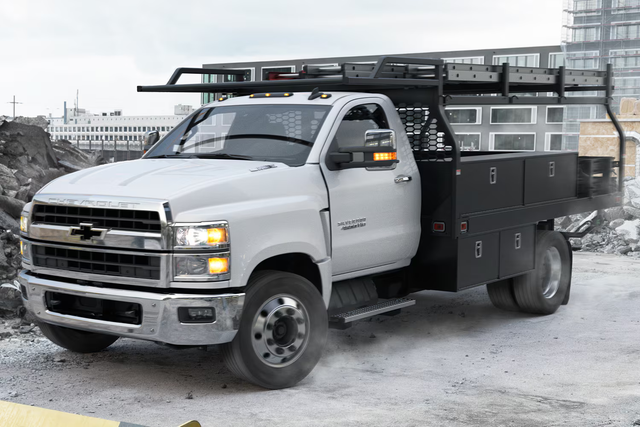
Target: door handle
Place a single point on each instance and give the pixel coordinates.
(402, 178)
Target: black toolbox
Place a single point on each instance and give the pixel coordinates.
(594, 176)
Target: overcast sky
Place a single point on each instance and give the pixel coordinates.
(104, 49)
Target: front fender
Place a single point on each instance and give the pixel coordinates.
(324, 264)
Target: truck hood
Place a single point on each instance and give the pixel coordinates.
(190, 184)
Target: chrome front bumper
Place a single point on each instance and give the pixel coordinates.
(159, 312)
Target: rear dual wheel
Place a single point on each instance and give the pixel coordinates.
(543, 290)
(282, 332)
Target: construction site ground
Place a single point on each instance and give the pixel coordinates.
(452, 359)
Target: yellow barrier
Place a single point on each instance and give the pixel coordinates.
(16, 415)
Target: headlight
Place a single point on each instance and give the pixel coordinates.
(202, 266)
(214, 235)
(24, 221)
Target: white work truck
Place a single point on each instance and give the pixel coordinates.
(265, 218)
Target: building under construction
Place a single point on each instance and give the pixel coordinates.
(595, 33)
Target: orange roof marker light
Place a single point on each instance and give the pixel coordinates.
(271, 95)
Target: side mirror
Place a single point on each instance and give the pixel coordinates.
(150, 138)
(379, 150)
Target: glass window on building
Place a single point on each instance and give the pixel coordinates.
(585, 34)
(625, 32)
(555, 114)
(465, 60)
(556, 60)
(587, 7)
(588, 60)
(513, 142)
(553, 142)
(502, 115)
(526, 60)
(271, 73)
(469, 141)
(627, 86)
(248, 76)
(464, 116)
(625, 58)
(625, 6)
(206, 98)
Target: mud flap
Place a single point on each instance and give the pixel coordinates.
(565, 301)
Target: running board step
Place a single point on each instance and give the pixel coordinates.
(389, 307)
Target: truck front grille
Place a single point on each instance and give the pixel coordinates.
(116, 219)
(110, 264)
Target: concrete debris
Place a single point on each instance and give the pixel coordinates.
(28, 161)
(40, 121)
(620, 232)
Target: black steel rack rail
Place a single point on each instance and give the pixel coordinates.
(427, 82)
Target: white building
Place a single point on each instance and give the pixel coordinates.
(112, 131)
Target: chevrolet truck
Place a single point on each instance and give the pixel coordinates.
(310, 201)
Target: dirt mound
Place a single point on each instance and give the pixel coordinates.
(28, 161)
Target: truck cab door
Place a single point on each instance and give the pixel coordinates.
(375, 211)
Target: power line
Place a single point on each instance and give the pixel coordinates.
(14, 105)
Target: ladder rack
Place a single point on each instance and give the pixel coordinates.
(393, 75)
(428, 82)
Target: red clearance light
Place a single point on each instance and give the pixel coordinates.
(463, 227)
(438, 227)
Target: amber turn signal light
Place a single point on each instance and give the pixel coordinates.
(384, 156)
(218, 265)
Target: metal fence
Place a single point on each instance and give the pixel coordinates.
(113, 151)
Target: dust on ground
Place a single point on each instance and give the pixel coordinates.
(452, 359)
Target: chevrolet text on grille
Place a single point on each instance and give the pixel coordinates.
(93, 203)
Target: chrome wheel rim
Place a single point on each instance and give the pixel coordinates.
(552, 272)
(279, 334)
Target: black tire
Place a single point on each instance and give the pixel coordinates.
(295, 310)
(543, 290)
(76, 340)
(502, 296)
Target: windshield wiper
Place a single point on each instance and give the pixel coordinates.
(269, 136)
(172, 156)
(223, 156)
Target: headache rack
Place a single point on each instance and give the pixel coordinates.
(422, 87)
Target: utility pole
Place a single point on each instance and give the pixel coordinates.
(14, 105)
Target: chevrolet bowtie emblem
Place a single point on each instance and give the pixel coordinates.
(86, 232)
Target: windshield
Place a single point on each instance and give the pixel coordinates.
(277, 133)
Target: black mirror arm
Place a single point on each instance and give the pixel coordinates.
(340, 158)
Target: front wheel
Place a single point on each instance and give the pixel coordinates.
(75, 340)
(282, 332)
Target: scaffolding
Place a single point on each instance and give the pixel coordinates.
(598, 32)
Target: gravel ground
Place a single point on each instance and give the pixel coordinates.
(450, 360)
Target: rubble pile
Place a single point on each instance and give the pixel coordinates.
(620, 231)
(28, 161)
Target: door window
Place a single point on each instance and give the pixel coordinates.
(356, 122)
